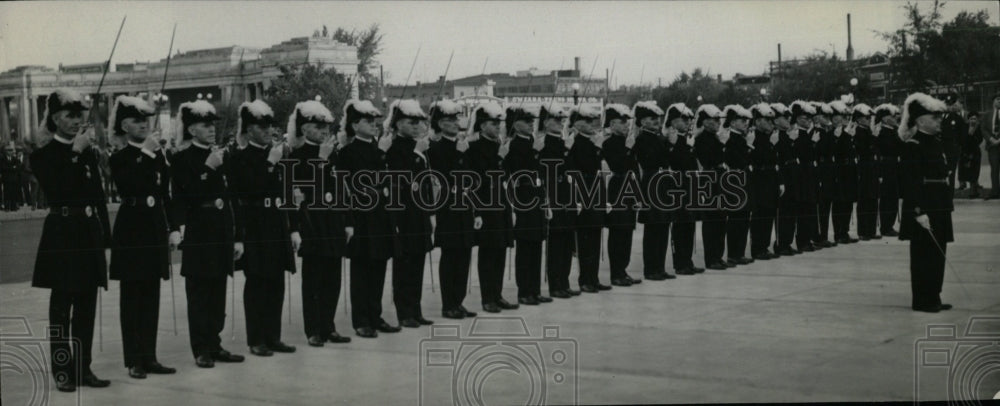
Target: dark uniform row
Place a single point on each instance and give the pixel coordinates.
(223, 208)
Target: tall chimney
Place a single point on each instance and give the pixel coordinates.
(850, 48)
(576, 63)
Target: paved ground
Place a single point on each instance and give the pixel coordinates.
(828, 326)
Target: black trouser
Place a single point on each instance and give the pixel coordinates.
(12, 195)
(655, 238)
(408, 284)
(206, 311)
(683, 244)
(713, 235)
(71, 325)
(788, 217)
(926, 269)
(842, 211)
(528, 267)
(455, 276)
(888, 209)
(761, 226)
(737, 229)
(367, 284)
(824, 208)
(619, 251)
(492, 260)
(559, 257)
(588, 254)
(139, 306)
(867, 216)
(263, 297)
(806, 225)
(320, 293)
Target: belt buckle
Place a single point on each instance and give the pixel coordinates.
(267, 202)
(219, 204)
(65, 211)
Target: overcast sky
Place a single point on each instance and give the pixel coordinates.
(642, 40)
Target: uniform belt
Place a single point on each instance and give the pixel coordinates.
(265, 202)
(216, 204)
(148, 201)
(73, 211)
(942, 180)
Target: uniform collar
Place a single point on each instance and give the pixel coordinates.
(135, 144)
(527, 137)
(255, 145)
(62, 140)
(200, 145)
(451, 138)
(369, 141)
(307, 142)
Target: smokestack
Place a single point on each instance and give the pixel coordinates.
(850, 48)
(576, 63)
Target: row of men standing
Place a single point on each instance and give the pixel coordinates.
(224, 211)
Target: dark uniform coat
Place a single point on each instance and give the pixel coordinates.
(557, 183)
(737, 156)
(497, 223)
(807, 168)
(711, 154)
(76, 230)
(651, 155)
(826, 169)
(889, 147)
(846, 158)
(373, 229)
(322, 230)
(682, 159)
(413, 222)
(455, 227)
(622, 163)
(866, 146)
(259, 187)
(530, 224)
(585, 158)
(139, 249)
(765, 178)
(204, 204)
(788, 166)
(923, 171)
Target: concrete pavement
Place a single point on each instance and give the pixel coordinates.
(833, 325)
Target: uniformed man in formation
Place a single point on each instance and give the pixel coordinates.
(372, 244)
(540, 194)
(680, 154)
(521, 162)
(737, 158)
(766, 183)
(486, 153)
(204, 223)
(318, 234)
(708, 149)
(560, 241)
(76, 231)
(618, 152)
(409, 152)
(457, 221)
(584, 158)
(651, 154)
(258, 184)
(140, 254)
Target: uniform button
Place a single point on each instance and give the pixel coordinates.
(150, 201)
(219, 204)
(88, 211)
